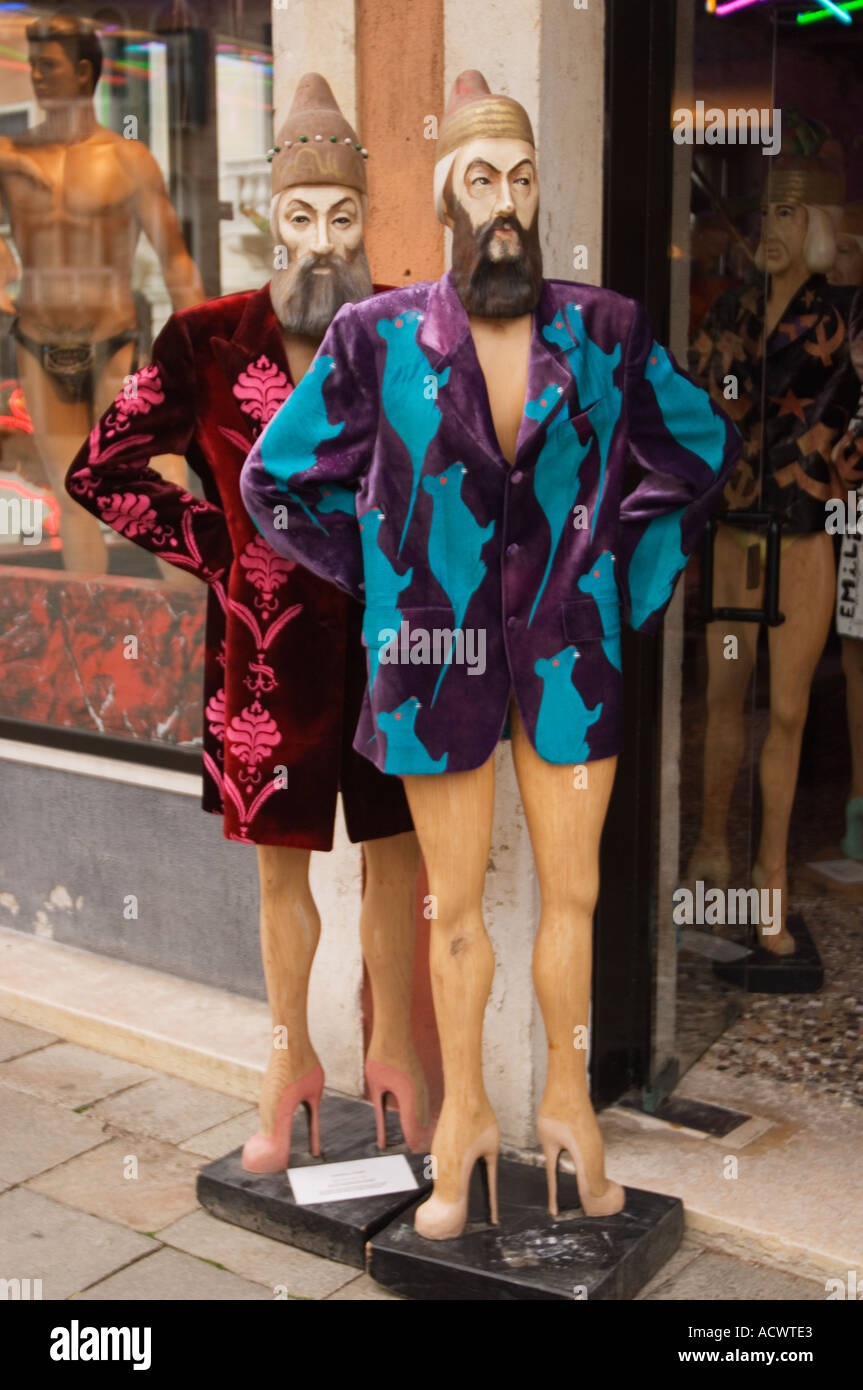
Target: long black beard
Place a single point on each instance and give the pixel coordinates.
(502, 289)
(306, 304)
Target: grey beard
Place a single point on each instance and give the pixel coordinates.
(306, 304)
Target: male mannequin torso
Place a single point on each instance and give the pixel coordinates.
(503, 349)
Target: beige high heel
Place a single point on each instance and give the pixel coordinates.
(438, 1219)
(785, 945)
(555, 1137)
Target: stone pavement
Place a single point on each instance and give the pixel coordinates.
(98, 1159)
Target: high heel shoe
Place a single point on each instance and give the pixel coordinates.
(555, 1137)
(438, 1219)
(383, 1078)
(270, 1153)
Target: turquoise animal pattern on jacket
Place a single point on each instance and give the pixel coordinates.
(285, 453)
(656, 562)
(404, 750)
(555, 480)
(383, 587)
(455, 544)
(409, 395)
(599, 582)
(563, 716)
(686, 410)
(593, 370)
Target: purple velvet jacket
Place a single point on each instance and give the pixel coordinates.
(382, 472)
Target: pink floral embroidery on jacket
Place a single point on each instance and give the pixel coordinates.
(139, 395)
(261, 389)
(127, 513)
(266, 571)
(252, 734)
(215, 712)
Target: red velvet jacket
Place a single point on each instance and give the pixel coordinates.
(282, 644)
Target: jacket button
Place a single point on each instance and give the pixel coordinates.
(512, 549)
(511, 622)
(517, 476)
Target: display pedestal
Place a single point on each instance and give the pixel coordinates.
(335, 1230)
(532, 1255)
(762, 972)
(807, 877)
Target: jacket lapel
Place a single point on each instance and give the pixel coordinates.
(550, 372)
(445, 338)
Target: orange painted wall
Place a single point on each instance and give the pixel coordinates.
(400, 62)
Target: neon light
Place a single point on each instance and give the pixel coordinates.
(813, 16)
(731, 5)
(834, 9)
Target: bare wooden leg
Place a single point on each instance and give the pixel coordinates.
(387, 937)
(452, 813)
(565, 824)
(807, 596)
(290, 929)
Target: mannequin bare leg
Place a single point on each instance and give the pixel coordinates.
(807, 596)
(452, 813)
(387, 937)
(290, 931)
(565, 827)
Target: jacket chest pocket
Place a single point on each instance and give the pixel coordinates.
(593, 627)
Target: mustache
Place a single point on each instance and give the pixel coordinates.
(485, 233)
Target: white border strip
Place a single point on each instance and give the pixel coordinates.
(105, 769)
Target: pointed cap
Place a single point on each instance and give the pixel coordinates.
(315, 143)
(474, 113)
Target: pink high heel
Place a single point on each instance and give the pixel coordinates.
(555, 1137)
(270, 1153)
(438, 1219)
(382, 1078)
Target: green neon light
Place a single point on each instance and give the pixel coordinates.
(813, 16)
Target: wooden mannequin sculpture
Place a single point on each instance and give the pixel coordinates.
(797, 390)
(474, 432)
(285, 669)
(76, 233)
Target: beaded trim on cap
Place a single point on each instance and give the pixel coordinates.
(304, 139)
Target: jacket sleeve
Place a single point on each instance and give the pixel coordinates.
(687, 449)
(110, 476)
(299, 482)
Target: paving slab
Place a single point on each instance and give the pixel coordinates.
(162, 1191)
(169, 1275)
(71, 1075)
(711, 1276)
(167, 1108)
(35, 1135)
(17, 1038)
(791, 1192)
(224, 1138)
(688, 1250)
(264, 1261)
(363, 1289)
(194, 1031)
(66, 1249)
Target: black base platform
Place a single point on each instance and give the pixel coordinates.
(762, 972)
(532, 1255)
(336, 1230)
